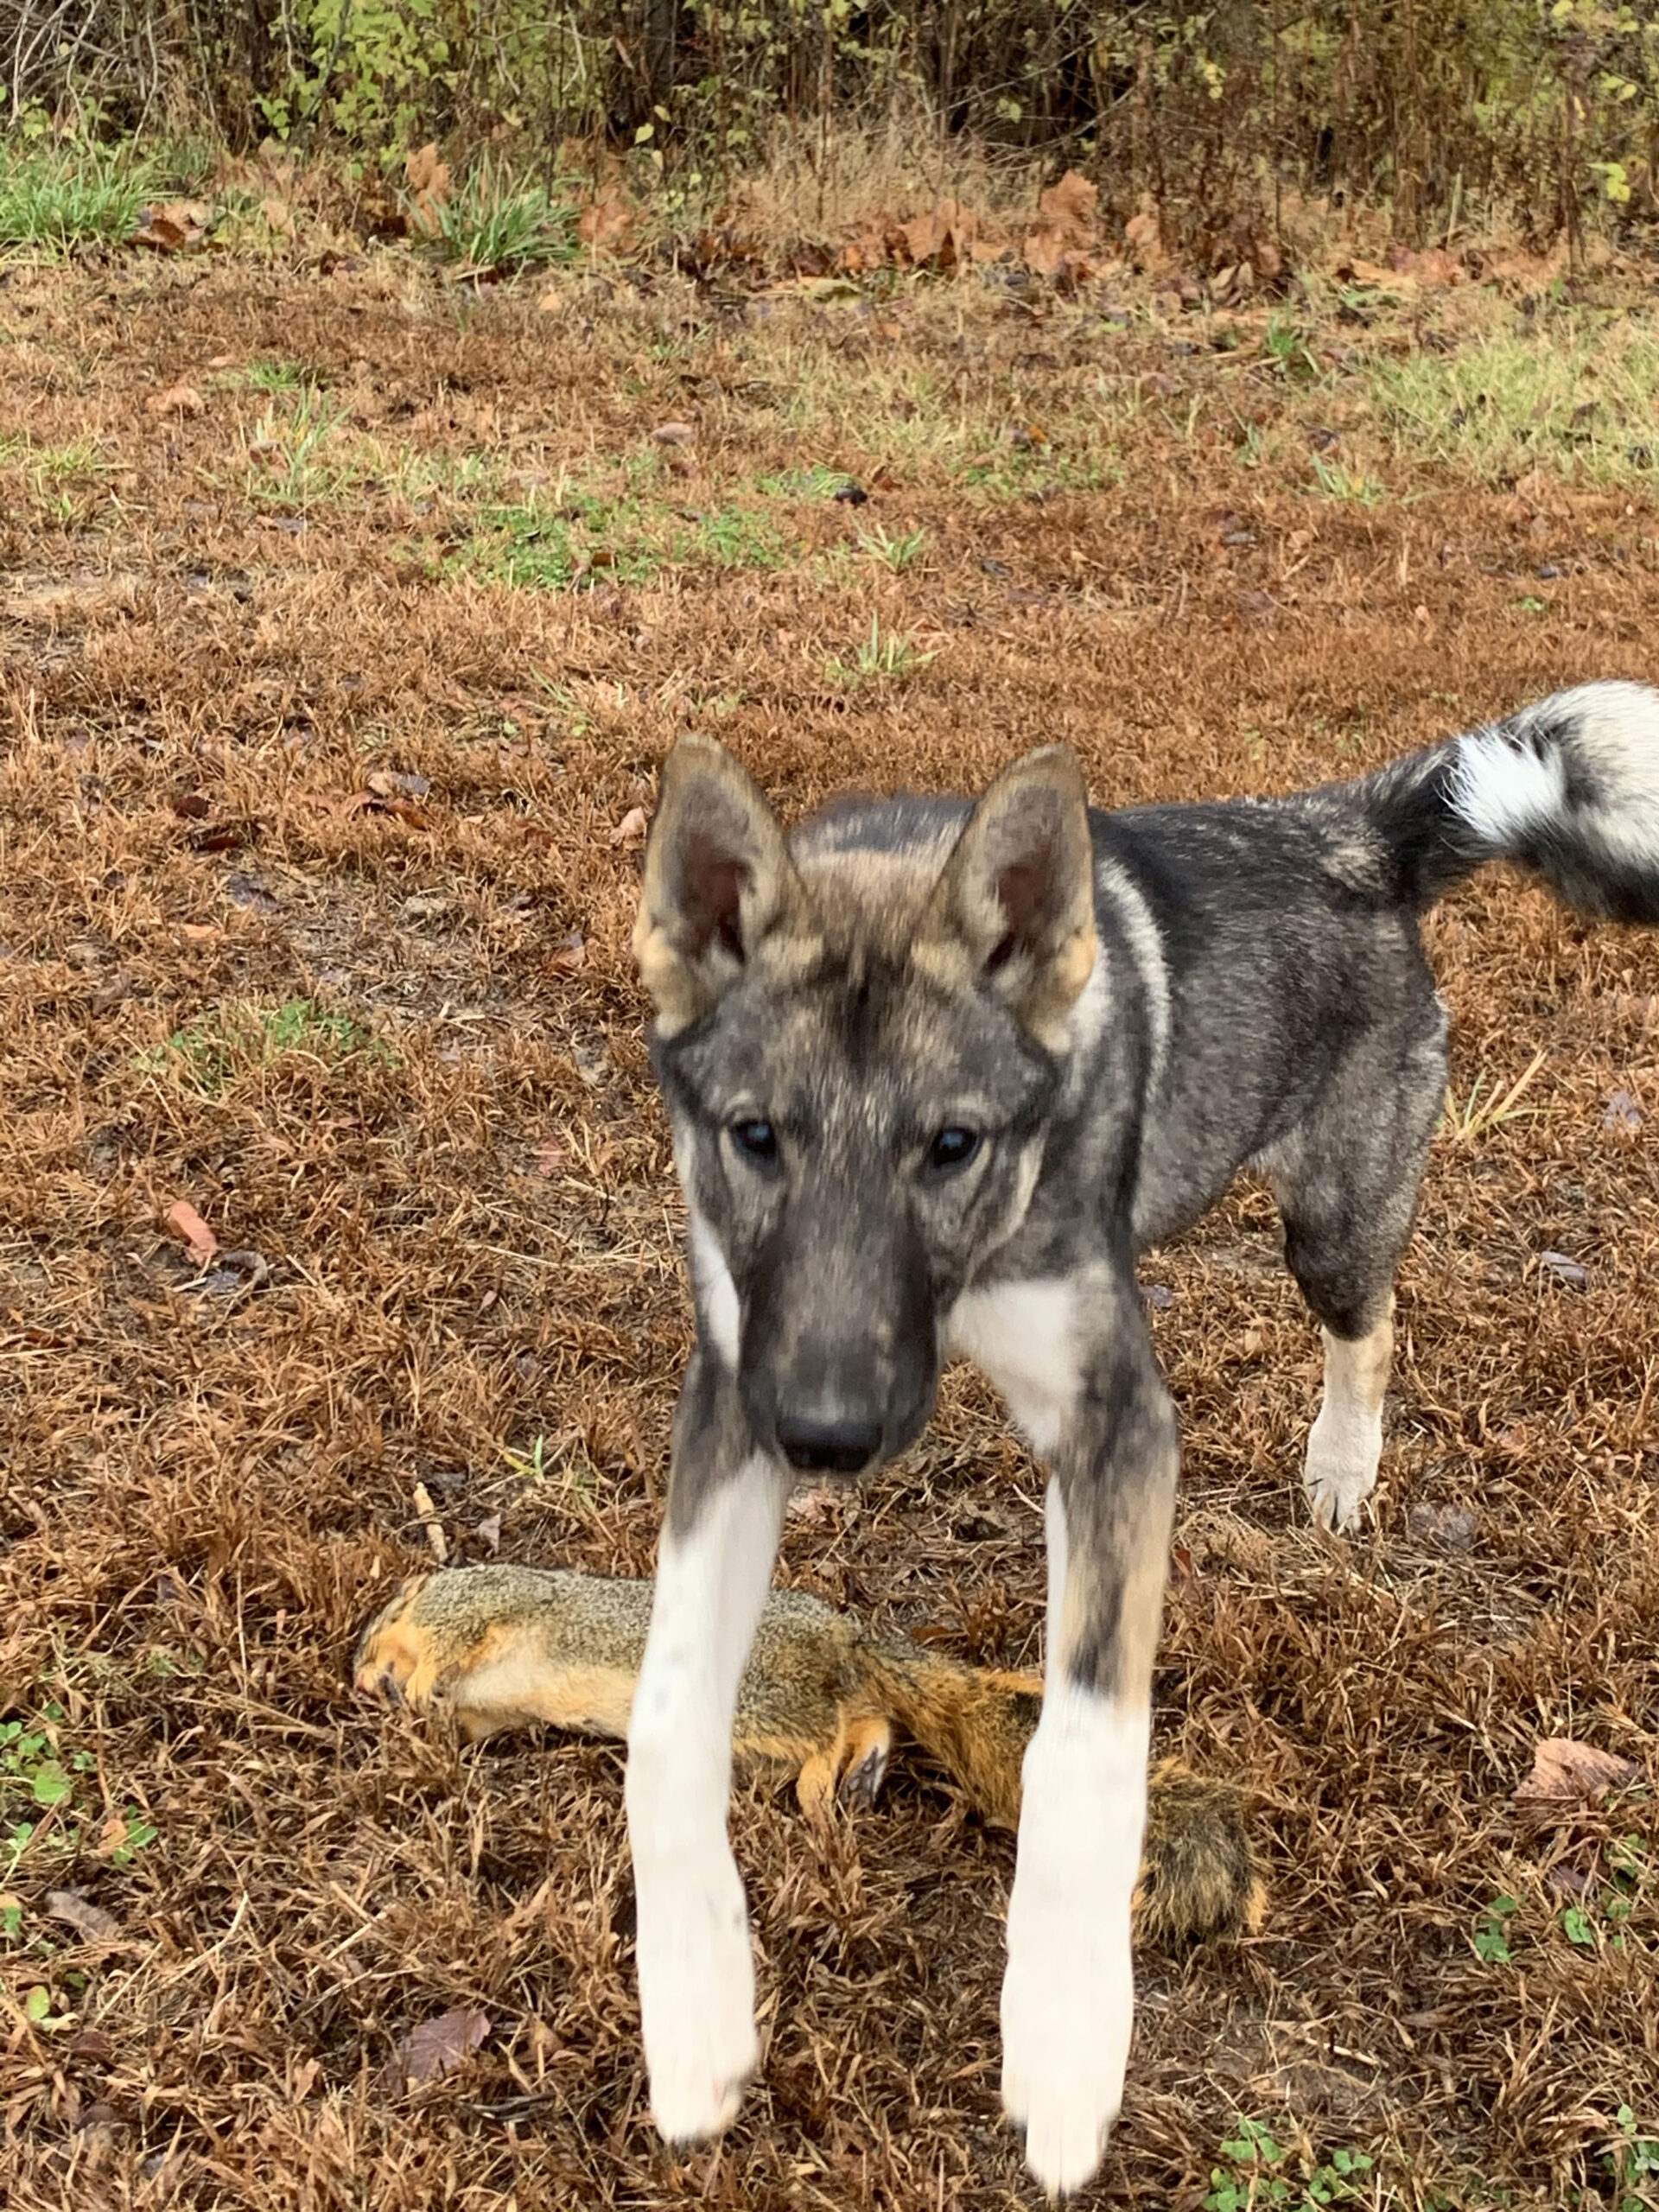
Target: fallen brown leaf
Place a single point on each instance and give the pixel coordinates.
(177, 399)
(438, 2047)
(169, 229)
(428, 178)
(394, 783)
(184, 1221)
(223, 837)
(1568, 1774)
(604, 222)
(570, 955)
(675, 434)
(1067, 226)
(76, 1911)
(1143, 236)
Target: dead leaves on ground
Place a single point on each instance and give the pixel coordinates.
(1569, 1776)
(171, 228)
(1065, 244)
(434, 2049)
(398, 792)
(178, 399)
(570, 955)
(185, 1222)
(90, 1922)
(604, 223)
(428, 179)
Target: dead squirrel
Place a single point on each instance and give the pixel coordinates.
(502, 1647)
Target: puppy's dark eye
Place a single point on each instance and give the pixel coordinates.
(952, 1148)
(756, 1140)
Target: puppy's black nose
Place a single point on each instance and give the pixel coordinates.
(828, 1447)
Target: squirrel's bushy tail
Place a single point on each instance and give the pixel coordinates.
(1198, 1875)
(975, 1721)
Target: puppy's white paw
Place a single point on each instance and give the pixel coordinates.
(696, 1998)
(1345, 1443)
(1068, 1998)
(1068, 2012)
(1341, 1472)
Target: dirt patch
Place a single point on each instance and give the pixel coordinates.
(325, 705)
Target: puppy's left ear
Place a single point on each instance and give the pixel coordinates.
(1013, 913)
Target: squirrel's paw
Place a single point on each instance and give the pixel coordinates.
(864, 1761)
(395, 1660)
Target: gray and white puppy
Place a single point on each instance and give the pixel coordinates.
(937, 1073)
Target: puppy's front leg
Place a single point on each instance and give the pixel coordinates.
(1068, 1999)
(697, 1976)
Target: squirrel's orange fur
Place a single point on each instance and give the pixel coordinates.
(821, 1698)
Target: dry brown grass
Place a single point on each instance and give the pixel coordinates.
(204, 1493)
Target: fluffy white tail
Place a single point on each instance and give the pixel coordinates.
(1568, 787)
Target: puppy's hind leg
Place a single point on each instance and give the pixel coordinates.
(1347, 1186)
(1344, 1445)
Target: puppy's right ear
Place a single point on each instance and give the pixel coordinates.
(719, 881)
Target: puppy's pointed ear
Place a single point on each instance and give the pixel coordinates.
(719, 881)
(1014, 911)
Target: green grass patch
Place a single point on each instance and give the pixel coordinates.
(894, 550)
(1579, 397)
(1018, 474)
(48, 1788)
(883, 657)
(815, 483)
(292, 457)
(1336, 482)
(278, 375)
(61, 483)
(212, 1053)
(59, 193)
(492, 224)
(1259, 2174)
(556, 543)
